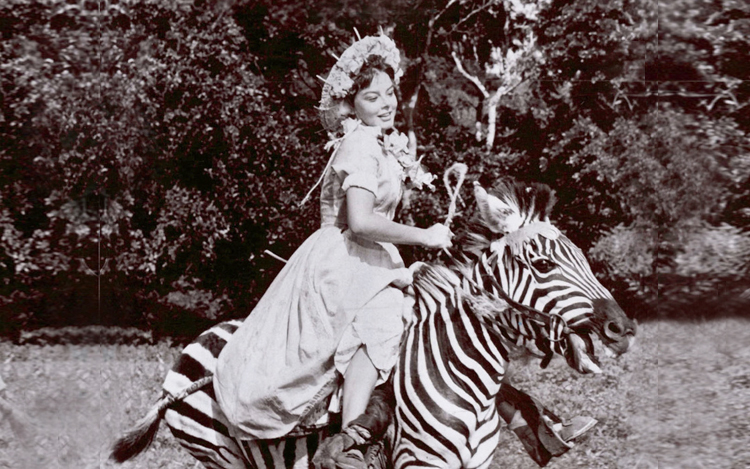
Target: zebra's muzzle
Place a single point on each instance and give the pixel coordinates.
(617, 331)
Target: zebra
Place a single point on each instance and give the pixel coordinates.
(514, 282)
(456, 350)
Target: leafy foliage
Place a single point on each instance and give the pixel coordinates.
(152, 151)
(671, 173)
(164, 148)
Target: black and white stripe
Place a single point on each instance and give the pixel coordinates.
(447, 378)
(568, 289)
(536, 287)
(453, 357)
(200, 426)
(196, 421)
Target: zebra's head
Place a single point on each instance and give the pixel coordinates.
(537, 267)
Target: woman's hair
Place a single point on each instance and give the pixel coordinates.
(372, 65)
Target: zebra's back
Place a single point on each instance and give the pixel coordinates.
(197, 421)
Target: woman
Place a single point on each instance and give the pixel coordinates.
(331, 322)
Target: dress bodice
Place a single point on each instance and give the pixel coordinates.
(360, 161)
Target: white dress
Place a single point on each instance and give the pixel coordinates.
(335, 294)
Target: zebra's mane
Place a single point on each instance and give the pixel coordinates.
(534, 202)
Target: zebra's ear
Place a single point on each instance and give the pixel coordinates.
(497, 215)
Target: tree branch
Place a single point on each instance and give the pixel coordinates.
(412, 102)
(492, 111)
(437, 17)
(470, 77)
(471, 13)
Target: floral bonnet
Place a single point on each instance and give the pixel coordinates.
(340, 79)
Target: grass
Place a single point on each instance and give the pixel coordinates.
(679, 399)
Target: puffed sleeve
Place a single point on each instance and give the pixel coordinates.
(356, 164)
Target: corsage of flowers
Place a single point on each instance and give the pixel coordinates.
(397, 144)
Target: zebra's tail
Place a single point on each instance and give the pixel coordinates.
(137, 440)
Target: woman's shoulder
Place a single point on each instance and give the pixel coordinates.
(359, 137)
(359, 151)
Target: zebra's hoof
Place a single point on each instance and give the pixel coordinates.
(571, 429)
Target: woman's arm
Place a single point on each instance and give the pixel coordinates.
(363, 221)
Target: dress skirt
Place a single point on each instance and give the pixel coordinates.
(335, 294)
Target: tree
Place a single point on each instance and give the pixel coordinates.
(151, 152)
(164, 148)
(669, 174)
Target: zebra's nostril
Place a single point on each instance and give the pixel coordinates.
(612, 330)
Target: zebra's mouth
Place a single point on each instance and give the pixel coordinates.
(613, 329)
(581, 354)
(584, 347)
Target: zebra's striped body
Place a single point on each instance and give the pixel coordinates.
(455, 350)
(200, 426)
(196, 421)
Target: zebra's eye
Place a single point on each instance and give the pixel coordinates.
(543, 265)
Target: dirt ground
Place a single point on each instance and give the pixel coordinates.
(679, 399)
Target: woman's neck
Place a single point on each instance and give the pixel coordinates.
(374, 128)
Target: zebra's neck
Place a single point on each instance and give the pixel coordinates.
(469, 352)
(516, 324)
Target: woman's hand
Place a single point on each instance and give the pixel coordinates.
(437, 236)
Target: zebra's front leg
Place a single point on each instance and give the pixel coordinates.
(405, 458)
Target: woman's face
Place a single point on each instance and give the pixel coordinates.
(376, 104)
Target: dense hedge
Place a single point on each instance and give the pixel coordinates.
(151, 151)
(138, 145)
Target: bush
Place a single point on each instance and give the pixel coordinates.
(709, 274)
(139, 152)
(152, 151)
(697, 271)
